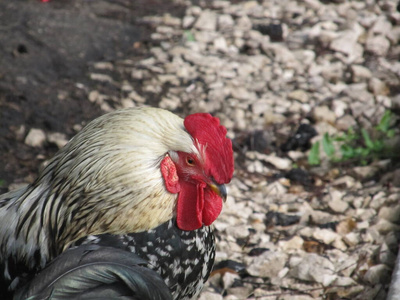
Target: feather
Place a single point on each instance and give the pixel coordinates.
(95, 272)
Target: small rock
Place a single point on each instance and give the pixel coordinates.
(238, 232)
(346, 226)
(365, 171)
(101, 77)
(381, 26)
(207, 295)
(136, 97)
(240, 292)
(268, 264)
(325, 235)
(93, 96)
(338, 206)
(384, 226)
(346, 122)
(225, 22)
(386, 256)
(378, 274)
(346, 42)
(103, 66)
(228, 279)
(220, 44)
(295, 242)
(60, 139)
(378, 87)
(344, 281)
(188, 21)
(324, 114)
(339, 107)
(35, 138)
(346, 182)
(391, 214)
(278, 162)
(360, 73)
(298, 95)
(312, 267)
(378, 45)
(206, 21)
(351, 239)
(127, 103)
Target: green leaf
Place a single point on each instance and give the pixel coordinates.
(189, 36)
(384, 123)
(327, 145)
(367, 140)
(348, 152)
(313, 156)
(378, 146)
(390, 133)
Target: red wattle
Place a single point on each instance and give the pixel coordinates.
(197, 206)
(190, 205)
(213, 206)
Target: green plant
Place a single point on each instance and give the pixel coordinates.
(189, 36)
(359, 147)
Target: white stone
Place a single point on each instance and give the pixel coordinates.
(360, 73)
(278, 162)
(295, 242)
(323, 113)
(299, 95)
(207, 295)
(228, 279)
(58, 138)
(378, 45)
(225, 22)
(35, 138)
(220, 44)
(312, 267)
(378, 274)
(351, 239)
(325, 235)
(268, 264)
(206, 21)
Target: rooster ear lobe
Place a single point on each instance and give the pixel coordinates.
(170, 175)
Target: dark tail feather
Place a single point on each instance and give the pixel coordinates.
(95, 272)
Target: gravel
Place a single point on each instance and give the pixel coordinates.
(267, 68)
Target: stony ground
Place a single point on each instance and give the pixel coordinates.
(282, 76)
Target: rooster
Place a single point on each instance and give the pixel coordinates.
(142, 181)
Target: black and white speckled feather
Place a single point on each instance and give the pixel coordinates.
(184, 259)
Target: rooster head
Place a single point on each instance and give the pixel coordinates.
(199, 176)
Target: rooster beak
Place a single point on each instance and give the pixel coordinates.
(219, 189)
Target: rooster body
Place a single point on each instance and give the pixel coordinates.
(125, 174)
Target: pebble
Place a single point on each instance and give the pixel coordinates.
(324, 114)
(360, 73)
(312, 267)
(268, 264)
(206, 21)
(60, 139)
(377, 274)
(378, 45)
(298, 95)
(325, 235)
(35, 138)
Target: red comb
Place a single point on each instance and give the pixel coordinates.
(208, 132)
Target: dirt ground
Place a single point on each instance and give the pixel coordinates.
(46, 53)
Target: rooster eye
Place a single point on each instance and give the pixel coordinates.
(190, 161)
